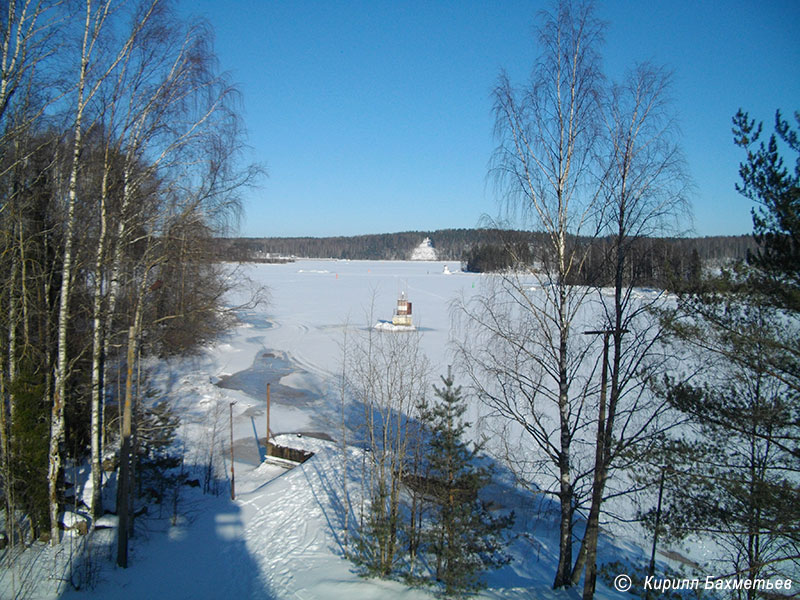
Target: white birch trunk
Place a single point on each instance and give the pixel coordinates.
(57, 412)
(98, 387)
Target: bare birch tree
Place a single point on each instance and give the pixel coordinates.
(388, 376)
(27, 39)
(108, 218)
(180, 187)
(544, 164)
(645, 189)
(152, 115)
(95, 66)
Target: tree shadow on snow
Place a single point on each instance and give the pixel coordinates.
(533, 540)
(202, 555)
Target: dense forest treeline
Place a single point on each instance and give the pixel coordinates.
(664, 262)
(450, 244)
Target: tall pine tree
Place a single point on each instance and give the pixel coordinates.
(743, 328)
(775, 189)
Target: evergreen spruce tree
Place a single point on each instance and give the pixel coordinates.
(29, 446)
(463, 537)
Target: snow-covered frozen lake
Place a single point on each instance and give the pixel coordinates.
(295, 341)
(280, 537)
(314, 300)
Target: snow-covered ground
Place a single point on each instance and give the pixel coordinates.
(282, 535)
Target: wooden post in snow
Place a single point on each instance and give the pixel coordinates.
(123, 483)
(233, 493)
(267, 442)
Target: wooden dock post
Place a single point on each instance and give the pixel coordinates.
(233, 477)
(267, 442)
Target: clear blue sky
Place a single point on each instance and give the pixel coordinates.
(375, 116)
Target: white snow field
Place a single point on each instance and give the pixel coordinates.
(282, 535)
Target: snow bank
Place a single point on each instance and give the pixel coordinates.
(391, 327)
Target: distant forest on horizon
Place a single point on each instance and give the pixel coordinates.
(450, 244)
(659, 261)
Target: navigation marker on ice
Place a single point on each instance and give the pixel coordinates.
(401, 320)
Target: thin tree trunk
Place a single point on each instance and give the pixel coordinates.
(587, 556)
(124, 459)
(565, 495)
(5, 463)
(135, 415)
(57, 413)
(588, 551)
(98, 392)
(345, 490)
(116, 269)
(57, 424)
(5, 423)
(125, 486)
(23, 285)
(12, 321)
